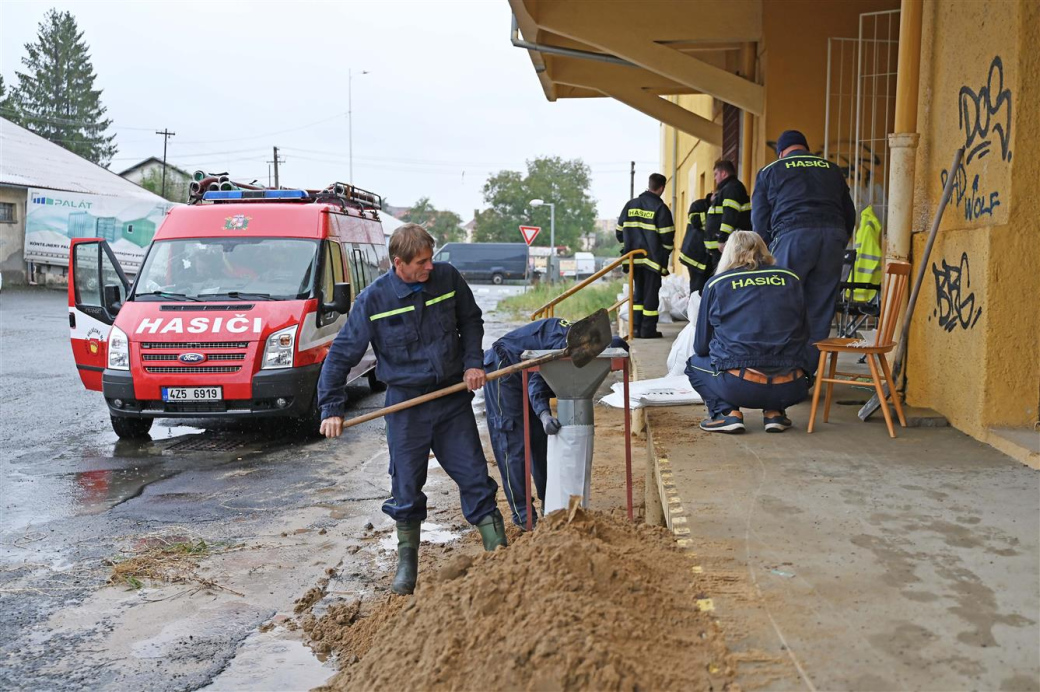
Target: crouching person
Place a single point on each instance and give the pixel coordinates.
(750, 341)
(504, 403)
(426, 331)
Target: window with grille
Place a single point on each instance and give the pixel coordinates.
(7, 212)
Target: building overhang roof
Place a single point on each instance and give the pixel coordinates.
(637, 51)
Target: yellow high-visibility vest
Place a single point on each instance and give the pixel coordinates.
(867, 268)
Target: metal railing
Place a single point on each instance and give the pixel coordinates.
(549, 309)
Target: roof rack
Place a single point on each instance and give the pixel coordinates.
(218, 187)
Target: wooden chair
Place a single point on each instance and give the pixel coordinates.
(897, 276)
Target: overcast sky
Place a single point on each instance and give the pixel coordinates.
(447, 100)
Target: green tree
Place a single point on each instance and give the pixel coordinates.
(55, 96)
(176, 188)
(445, 226)
(508, 195)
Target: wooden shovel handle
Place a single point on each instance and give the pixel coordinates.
(460, 387)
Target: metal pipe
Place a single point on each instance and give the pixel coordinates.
(564, 52)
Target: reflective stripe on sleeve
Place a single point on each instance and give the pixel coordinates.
(434, 301)
(692, 262)
(388, 313)
(731, 203)
(711, 244)
(726, 228)
(745, 207)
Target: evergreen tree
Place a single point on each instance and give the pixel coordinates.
(55, 96)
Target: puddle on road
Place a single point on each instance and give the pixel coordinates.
(430, 533)
(271, 661)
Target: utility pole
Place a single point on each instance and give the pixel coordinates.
(276, 161)
(632, 181)
(166, 134)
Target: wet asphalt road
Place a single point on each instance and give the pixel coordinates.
(74, 498)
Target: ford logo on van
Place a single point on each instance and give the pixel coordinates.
(192, 357)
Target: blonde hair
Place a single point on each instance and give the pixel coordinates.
(745, 250)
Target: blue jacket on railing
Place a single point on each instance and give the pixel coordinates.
(753, 318)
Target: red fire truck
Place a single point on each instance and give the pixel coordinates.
(233, 310)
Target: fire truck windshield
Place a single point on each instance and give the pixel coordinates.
(228, 269)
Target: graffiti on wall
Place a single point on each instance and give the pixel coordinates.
(984, 115)
(954, 299)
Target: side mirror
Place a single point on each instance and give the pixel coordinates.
(113, 294)
(340, 299)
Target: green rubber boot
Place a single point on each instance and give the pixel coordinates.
(493, 531)
(407, 557)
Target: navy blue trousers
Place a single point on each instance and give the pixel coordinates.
(448, 428)
(723, 392)
(503, 400)
(816, 256)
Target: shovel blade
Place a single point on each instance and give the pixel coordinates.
(588, 338)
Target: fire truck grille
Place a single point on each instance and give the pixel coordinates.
(209, 356)
(195, 345)
(238, 307)
(194, 369)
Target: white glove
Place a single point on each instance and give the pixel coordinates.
(549, 424)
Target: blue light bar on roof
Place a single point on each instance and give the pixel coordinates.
(246, 195)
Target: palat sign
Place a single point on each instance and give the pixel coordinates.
(530, 233)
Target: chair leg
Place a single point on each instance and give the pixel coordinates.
(892, 388)
(816, 393)
(831, 372)
(881, 396)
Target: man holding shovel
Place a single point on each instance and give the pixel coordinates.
(426, 330)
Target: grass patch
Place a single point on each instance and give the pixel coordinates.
(582, 304)
(165, 559)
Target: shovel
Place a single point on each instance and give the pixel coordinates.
(587, 339)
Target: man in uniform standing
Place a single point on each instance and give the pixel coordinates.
(426, 330)
(695, 254)
(646, 224)
(803, 210)
(730, 210)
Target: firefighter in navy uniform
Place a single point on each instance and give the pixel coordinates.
(694, 253)
(504, 404)
(750, 339)
(646, 224)
(426, 330)
(730, 209)
(803, 210)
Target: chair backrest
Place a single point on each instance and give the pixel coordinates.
(897, 277)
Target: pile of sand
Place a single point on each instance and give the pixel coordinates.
(587, 601)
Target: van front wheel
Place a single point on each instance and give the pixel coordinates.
(497, 279)
(131, 428)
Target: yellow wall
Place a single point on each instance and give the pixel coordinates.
(975, 343)
(792, 64)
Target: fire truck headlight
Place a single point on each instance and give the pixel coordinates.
(280, 348)
(118, 350)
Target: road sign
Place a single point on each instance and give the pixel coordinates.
(530, 233)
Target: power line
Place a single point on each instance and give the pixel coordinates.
(266, 134)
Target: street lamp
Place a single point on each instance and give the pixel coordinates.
(350, 123)
(552, 234)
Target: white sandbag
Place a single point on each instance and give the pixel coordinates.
(682, 347)
(568, 466)
(674, 390)
(677, 288)
(623, 312)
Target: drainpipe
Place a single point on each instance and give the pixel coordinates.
(747, 133)
(903, 141)
(675, 178)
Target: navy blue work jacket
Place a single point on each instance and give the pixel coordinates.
(422, 339)
(753, 318)
(541, 335)
(801, 191)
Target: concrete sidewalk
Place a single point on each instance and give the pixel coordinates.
(846, 560)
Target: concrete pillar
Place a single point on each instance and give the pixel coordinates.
(899, 224)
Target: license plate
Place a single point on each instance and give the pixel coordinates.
(192, 393)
